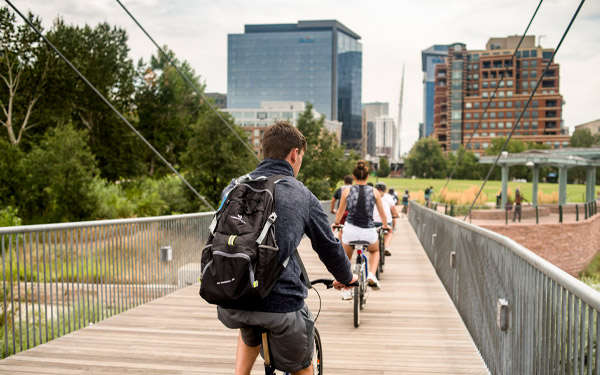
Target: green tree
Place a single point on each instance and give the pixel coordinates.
(166, 106)
(584, 138)
(101, 54)
(59, 175)
(468, 168)
(24, 66)
(384, 167)
(324, 163)
(426, 159)
(11, 174)
(214, 156)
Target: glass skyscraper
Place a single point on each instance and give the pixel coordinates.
(431, 56)
(311, 61)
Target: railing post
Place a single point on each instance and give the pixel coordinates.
(506, 214)
(452, 210)
(576, 212)
(537, 215)
(560, 213)
(446, 209)
(585, 207)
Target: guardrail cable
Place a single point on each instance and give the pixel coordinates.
(108, 103)
(188, 81)
(506, 70)
(524, 108)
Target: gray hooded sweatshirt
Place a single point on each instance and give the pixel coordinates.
(299, 212)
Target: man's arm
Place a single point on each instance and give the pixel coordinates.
(327, 246)
(333, 200)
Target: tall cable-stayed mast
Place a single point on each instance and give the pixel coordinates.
(398, 137)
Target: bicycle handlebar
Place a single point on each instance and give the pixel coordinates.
(329, 282)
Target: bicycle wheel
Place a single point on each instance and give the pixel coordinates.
(380, 268)
(363, 287)
(357, 295)
(317, 355)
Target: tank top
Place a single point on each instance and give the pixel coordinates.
(360, 202)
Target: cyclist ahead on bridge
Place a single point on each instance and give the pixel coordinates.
(283, 312)
(360, 201)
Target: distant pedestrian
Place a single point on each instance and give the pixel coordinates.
(428, 194)
(405, 199)
(518, 199)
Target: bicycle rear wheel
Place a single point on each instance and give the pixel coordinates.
(357, 295)
(318, 355)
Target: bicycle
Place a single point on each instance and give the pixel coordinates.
(381, 237)
(360, 269)
(317, 359)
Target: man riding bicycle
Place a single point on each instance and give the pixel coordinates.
(283, 312)
(390, 212)
(360, 201)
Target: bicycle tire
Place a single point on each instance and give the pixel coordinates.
(357, 295)
(317, 355)
(363, 288)
(381, 252)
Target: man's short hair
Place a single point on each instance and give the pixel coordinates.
(348, 180)
(281, 138)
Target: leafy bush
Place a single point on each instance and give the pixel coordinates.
(111, 201)
(9, 217)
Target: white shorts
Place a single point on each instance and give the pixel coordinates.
(354, 233)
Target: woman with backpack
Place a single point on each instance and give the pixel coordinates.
(360, 200)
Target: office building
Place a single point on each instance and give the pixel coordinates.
(311, 61)
(593, 126)
(430, 57)
(218, 100)
(255, 120)
(467, 80)
(370, 112)
(386, 136)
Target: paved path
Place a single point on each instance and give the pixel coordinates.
(408, 327)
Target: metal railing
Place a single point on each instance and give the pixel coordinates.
(62, 277)
(525, 315)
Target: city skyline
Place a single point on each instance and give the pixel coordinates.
(393, 33)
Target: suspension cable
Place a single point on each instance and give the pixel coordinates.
(107, 102)
(506, 69)
(524, 108)
(189, 82)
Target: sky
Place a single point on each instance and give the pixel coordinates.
(393, 33)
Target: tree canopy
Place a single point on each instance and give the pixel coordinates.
(426, 159)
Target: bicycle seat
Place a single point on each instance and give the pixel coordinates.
(359, 243)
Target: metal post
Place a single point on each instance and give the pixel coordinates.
(585, 206)
(537, 215)
(535, 179)
(560, 214)
(576, 212)
(506, 214)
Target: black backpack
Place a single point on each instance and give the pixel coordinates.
(240, 262)
(427, 191)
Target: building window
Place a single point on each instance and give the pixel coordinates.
(468, 105)
(500, 104)
(485, 145)
(500, 125)
(508, 104)
(484, 94)
(525, 64)
(509, 93)
(509, 83)
(492, 125)
(484, 85)
(525, 74)
(484, 125)
(456, 115)
(467, 115)
(476, 105)
(475, 115)
(533, 64)
(533, 73)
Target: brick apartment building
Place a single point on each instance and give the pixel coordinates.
(467, 80)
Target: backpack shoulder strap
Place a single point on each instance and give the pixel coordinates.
(302, 268)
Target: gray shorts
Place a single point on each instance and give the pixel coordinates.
(291, 335)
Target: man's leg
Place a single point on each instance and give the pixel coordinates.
(349, 251)
(306, 371)
(246, 356)
(373, 257)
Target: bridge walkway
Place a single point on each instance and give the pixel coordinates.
(410, 326)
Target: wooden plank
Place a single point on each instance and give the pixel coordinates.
(408, 327)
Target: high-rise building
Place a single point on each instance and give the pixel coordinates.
(386, 137)
(430, 57)
(255, 120)
(467, 80)
(311, 61)
(371, 112)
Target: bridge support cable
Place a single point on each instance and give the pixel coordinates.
(524, 108)
(506, 69)
(188, 81)
(108, 103)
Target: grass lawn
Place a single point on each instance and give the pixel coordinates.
(575, 193)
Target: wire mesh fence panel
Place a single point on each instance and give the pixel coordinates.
(525, 315)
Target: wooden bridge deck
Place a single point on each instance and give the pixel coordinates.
(410, 326)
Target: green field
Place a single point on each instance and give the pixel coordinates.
(575, 193)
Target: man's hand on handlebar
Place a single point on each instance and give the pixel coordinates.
(339, 286)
